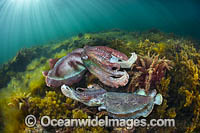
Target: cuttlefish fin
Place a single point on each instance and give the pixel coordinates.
(148, 110)
(52, 62)
(157, 100)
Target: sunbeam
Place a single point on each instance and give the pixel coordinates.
(24, 23)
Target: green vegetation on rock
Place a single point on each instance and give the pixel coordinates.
(23, 90)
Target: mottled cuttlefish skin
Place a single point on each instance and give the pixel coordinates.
(91, 96)
(67, 70)
(101, 61)
(118, 105)
(130, 105)
(105, 64)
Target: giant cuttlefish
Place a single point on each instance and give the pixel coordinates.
(118, 105)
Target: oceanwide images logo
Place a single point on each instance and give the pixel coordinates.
(46, 121)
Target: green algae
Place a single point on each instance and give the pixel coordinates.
(24, 91)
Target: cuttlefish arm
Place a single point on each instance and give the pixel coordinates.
(104, 63)
(91, 96)
(68, 92)
(112, 78)
(125, 64)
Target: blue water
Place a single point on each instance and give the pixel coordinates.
(24, 23)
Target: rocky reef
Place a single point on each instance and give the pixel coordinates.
(167, 63)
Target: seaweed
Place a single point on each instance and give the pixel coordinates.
(148, 71)
(167, 63)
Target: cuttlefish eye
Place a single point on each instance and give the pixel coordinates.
(80, 90)
(90, 86)
(114, 68)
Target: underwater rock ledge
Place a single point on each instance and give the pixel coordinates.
(23, 90)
